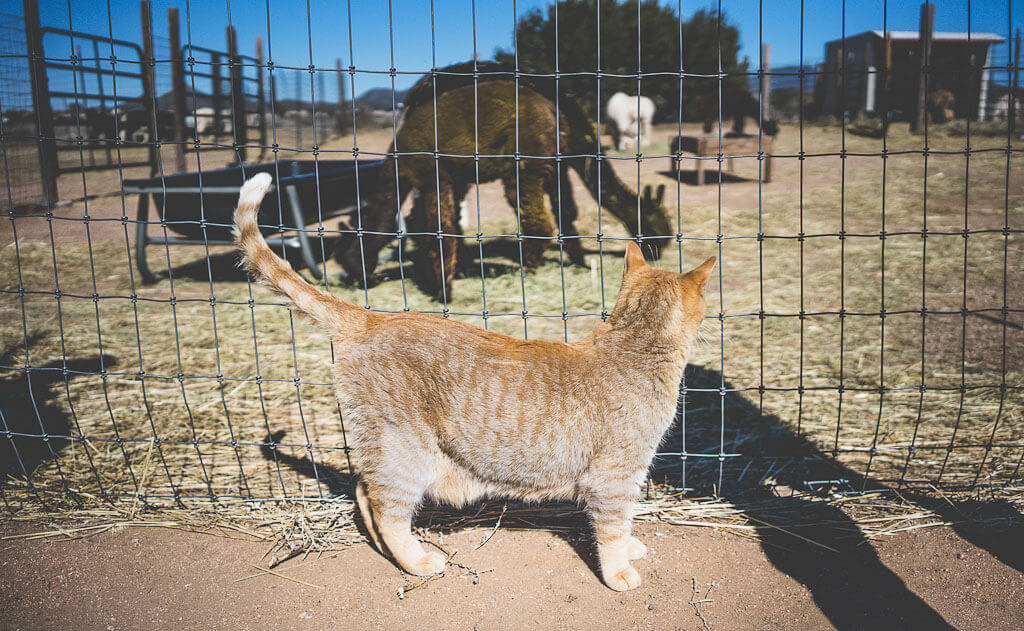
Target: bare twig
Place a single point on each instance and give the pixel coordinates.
(497, 525)
(280, 575)
(697, 602)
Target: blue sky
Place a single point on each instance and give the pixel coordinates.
(292, 28)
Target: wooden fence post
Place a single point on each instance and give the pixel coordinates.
(840, 84)
(261, 107)
(886, 82)
(766, 81)
(48, 164)
(148, 84)
(1011, 116)
(342, 119)
(103, 98)
(178, 89)
(239, 124)
(80, 110)
(217, 96)
(300, 110)
(925, 37)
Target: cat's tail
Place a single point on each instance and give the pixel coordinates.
(330, 313)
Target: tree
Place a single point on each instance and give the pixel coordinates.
(659, 52)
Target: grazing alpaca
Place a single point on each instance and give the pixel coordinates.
(630, 118)
(737, 104)
(483, 119)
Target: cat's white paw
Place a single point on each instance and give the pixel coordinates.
(624, 579)
(635, 549)
(429, 564)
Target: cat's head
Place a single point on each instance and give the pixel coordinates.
(666, 305)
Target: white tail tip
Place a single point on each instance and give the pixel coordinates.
(254, 189)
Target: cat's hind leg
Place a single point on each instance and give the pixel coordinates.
(364, 509)
(635, 549)
(393, 508)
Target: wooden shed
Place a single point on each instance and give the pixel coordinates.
(853, 80)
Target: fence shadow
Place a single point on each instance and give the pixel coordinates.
(830, 556)
(849, 583)
(223, 266)
(29, 410)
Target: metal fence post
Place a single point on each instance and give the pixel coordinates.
(48, 164)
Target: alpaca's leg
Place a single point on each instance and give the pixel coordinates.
(564, 208)
(440, 215)
(535, 218)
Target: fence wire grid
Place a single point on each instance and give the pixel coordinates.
(865, 315)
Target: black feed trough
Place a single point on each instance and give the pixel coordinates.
(199, 206)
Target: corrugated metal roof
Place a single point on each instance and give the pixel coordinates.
(938, 35)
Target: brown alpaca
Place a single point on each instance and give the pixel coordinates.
(484, 119)
(445, 410)
(940, 106)
(737, 104)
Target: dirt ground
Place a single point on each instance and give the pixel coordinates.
(694, 578)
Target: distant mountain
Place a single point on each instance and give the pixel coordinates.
(381, 98)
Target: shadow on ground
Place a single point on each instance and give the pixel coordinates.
(848, 581)
(814, 542)
(34, 427)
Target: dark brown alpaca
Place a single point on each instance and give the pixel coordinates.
(940, 106)
(737, 104)
(484, 120)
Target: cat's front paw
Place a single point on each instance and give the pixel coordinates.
(635, 549)
(624, 579)
(427, 565)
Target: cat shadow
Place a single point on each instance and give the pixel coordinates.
(831, 557)
(34, 427)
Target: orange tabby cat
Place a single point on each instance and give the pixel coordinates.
(444, 410)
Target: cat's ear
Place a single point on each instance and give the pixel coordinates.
(634, 259)
(702, 272)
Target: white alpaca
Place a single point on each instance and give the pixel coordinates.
(630, 117)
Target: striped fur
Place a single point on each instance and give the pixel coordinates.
(259, 260)
(444, 410)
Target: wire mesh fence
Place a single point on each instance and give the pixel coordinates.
(863, 328)
(20, 171)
